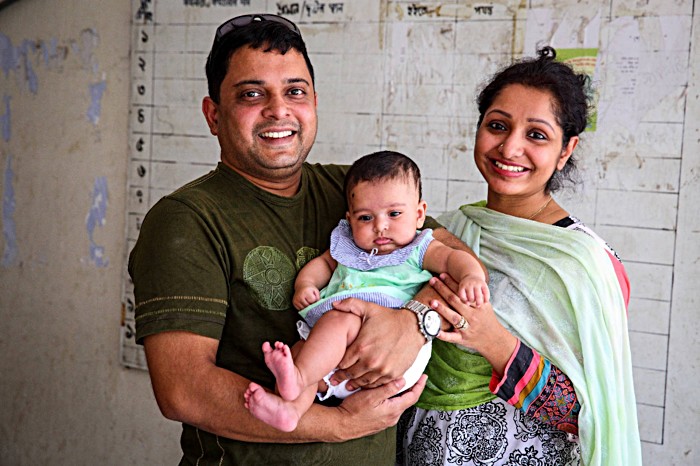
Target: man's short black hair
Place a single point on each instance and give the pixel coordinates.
(265, 35)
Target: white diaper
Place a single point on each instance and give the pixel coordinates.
(339, 391)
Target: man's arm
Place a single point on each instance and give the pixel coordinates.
(190, 388)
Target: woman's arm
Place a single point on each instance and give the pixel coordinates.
(520, 375)
(533, 384)
(540, 389)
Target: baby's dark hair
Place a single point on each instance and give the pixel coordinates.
(382, 166)
(568, 90)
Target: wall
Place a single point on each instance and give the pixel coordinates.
(66, 398)
(66, 172)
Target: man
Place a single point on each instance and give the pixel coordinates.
(214, 266)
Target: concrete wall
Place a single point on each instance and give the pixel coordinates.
(65, 397)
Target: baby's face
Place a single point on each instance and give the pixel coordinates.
(385, 214)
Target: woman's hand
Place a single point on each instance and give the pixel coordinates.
(473, 327)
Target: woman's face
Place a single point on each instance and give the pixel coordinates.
(519, 143)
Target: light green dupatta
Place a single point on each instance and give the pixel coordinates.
(556, 290)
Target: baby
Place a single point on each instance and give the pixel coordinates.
(376, 254)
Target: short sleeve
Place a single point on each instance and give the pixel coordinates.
(179, 272)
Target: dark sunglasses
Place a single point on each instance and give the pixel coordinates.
(245, 20)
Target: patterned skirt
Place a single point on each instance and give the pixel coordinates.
(494, 433)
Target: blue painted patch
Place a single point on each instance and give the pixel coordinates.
(50, 51)
(96, 219)
(9, 230)
(52, 48)
(9, 55)
(32, 80)
(5, 119)
(95, 109)
(12, 58)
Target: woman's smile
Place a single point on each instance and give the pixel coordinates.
(509, 169)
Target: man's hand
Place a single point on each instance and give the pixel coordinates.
(370, 411)
(190, 388)
(387, 345)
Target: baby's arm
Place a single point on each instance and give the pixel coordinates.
(460, 265)
(311, 278)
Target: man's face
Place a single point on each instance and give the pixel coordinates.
(266, 118)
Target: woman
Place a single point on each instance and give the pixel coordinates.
(491, 398)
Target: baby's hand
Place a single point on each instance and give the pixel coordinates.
(473, 290)
(305, 296)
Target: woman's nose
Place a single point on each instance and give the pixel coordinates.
(511, 147)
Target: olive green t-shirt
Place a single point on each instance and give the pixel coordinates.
(218, 257)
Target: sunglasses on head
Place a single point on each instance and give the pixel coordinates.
(245, 20)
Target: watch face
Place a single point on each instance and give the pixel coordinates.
(431, 323)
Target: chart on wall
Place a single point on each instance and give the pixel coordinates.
(403, 75)
(375, 87)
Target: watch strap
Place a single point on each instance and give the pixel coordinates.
(419, 309)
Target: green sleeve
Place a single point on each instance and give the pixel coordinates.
(179, 273)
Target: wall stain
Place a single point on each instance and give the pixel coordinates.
(95, 109)
(10, 254)
(5, 119)
(17, 59)
(96, 218)
(20, 60)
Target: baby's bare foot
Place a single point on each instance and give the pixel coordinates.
(270, 408)
(279, 361)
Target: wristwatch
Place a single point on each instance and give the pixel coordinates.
(428, 320)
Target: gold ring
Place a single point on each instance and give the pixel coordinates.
(462, 324)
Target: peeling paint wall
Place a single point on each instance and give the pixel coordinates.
(64, 90)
